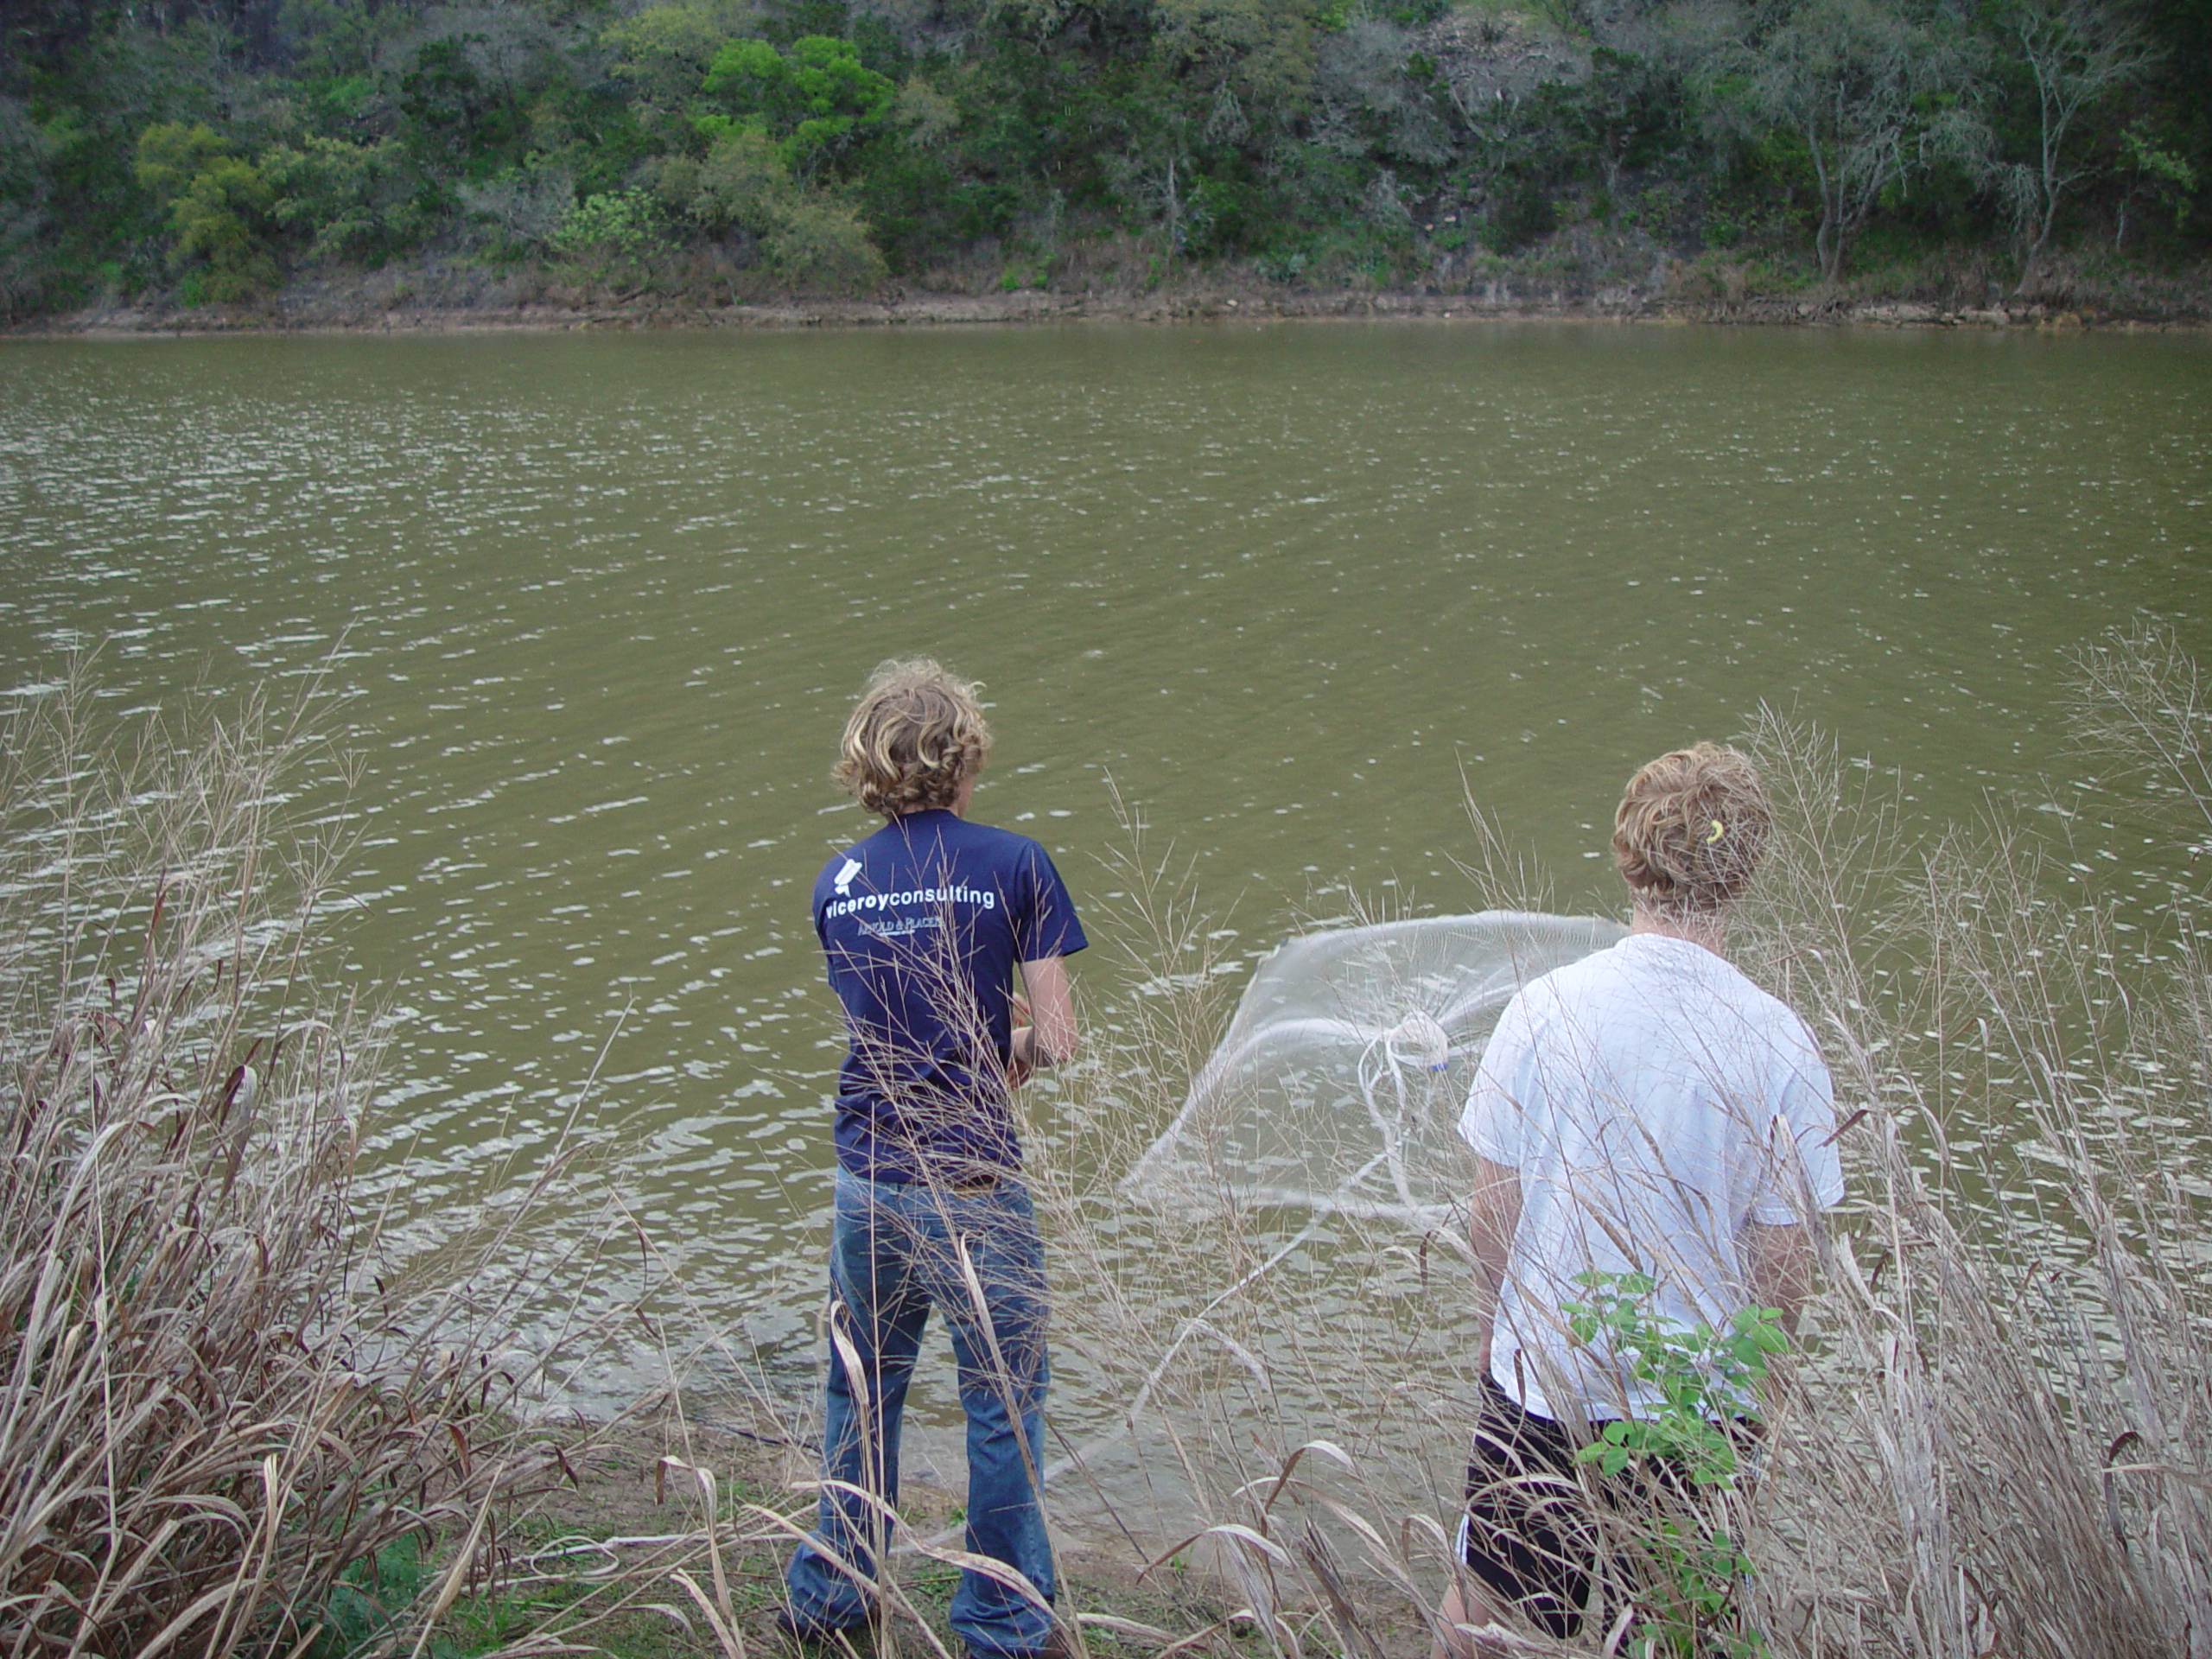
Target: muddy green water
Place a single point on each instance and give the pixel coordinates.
(603, 601)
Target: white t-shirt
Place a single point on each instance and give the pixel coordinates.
(1653, 1100)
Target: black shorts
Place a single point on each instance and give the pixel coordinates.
(1534, 1516)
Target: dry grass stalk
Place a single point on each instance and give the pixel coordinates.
(1993, 1441)
(1996, 1441)
(210, 1409)
(1287, 1384)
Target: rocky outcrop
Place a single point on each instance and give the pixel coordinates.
(1486, 58)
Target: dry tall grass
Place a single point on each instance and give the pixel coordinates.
(1998, 1441)
(211, 1408)
(1992, 1439)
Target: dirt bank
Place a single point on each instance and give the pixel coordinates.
(400, 307)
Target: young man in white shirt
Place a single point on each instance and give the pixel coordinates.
(1646, 1110)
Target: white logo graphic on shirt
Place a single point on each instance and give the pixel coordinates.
(845, 876)
(900, 927)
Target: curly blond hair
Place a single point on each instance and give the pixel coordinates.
(916, 737)
(1690, 830)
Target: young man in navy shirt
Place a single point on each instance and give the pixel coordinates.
(923, 923)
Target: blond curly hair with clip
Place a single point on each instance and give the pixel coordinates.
(1690, 830)
(917, 734)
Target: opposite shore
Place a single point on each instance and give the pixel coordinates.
(394, 306)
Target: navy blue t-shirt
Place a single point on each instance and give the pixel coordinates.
(922, 924)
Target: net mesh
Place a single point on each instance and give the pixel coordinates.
(1338, 1084)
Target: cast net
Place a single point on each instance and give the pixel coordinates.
(1339, 1086)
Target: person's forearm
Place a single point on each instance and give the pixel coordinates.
(1493, 1216)
(1778, 1269)
(1050, 1036)
(1487, 1287)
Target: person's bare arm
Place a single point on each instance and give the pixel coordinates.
(1779, 1265)
(1048, 1035)
(1493, 1217)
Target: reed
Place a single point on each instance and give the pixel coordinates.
(220, 1400)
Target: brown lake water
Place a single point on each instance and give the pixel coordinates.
(599, 603)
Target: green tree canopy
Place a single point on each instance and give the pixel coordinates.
(811, 96)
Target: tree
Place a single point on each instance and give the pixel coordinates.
(347, 201)
(43, 32)
(1374, 94)
(662, 52)
(1870, 94)
(744, 182)
(2169, 179)
(2076, 51)
(24, 194)
(1628, 103)
(811, 96)
(1253, 56)
(219, 208)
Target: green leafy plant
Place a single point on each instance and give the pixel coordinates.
(348, 200)
(613, 233)
(810, 98)
(369, 1602)
(1703, 1376)
(1704, 1379)
(219, 208)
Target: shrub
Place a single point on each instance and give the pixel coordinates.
(1527, 214)
(220, 210)
(823, 246)
(525, 204)
(612, 234)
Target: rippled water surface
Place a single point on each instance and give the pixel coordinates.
(600, 603)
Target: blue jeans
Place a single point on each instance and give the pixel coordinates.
(892, 1254)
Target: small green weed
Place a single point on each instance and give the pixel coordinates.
(1705, 1379)
(369, 1603)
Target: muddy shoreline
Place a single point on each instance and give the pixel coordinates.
(359, 312)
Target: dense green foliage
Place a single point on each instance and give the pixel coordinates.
(717, 147)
